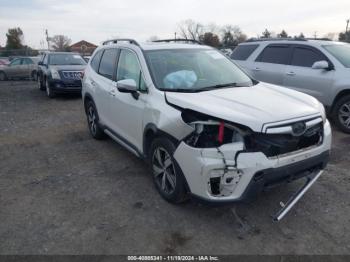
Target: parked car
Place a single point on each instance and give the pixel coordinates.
(24, 67)
(4, 61)
(60, 72)
(316, 67)
(206, 128)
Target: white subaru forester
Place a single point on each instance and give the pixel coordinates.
(207, 129)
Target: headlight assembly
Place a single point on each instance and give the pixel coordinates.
(55, 74)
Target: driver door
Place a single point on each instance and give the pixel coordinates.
(302, 77)
(127, 117)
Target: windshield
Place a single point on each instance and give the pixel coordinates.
(194, 70)
(340, 52)
(66, 59)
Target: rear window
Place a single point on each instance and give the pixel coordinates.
(242, 52)
(95, 62)
(275, 55)
(107, 63)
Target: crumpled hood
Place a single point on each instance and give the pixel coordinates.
(250, 106)
(69, 67)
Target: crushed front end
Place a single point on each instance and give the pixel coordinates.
(226, 162)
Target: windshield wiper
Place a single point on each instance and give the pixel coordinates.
(207, 88)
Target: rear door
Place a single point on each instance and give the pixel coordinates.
(102, 84)
(301, 77)
(270, 66)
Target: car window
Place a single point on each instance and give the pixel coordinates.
(95, 62)
(66, 59)
(242, 52)
(340, 52)
(108, 62)
(305, 57)
(27, 61)
(275, 54)
(46, 59)
(129, 68)
(15, 62)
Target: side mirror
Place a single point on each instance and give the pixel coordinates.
(321, 65)
(127, 86)
(40, 63)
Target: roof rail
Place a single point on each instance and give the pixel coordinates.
(178, 40)
(321, 38)
(114, 41)
(277, 39)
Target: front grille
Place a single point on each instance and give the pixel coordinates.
(279, 144)
(72, 75)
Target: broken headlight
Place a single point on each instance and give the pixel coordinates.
(213, 133)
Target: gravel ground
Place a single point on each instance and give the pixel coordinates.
(62, 192)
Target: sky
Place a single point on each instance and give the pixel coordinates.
(98, 20)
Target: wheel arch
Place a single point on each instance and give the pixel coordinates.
(151, 132)
(341, 94)
(87, 98)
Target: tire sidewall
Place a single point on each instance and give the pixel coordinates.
(99, 134)
(338, 105)
(3, 76)
(180, 193)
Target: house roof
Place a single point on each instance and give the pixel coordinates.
(83, 42)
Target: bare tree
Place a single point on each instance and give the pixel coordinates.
(331, 36)
(232, 35)
(60, 42)
(190, 29)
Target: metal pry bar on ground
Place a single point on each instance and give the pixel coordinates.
(296, 197)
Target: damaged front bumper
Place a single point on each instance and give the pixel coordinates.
(229, 174)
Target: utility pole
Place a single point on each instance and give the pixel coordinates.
(175, 35)
(346, 29)
(47, 39)
(315, 34)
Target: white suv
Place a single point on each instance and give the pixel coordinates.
(206, 128)
(316, 67)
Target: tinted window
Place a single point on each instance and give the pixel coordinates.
(129, 68)
(341, 52)
(275, 55)
(27, 61)
(107, 63)
(95, 62)
(242, 52)
(66, 59)
(16, 62)
(305, 57)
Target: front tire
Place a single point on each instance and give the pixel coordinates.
(92, 119)
(49, 92)
(341, 114)
(167, 175)
(40, 83)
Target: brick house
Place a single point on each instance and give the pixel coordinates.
(83, 47)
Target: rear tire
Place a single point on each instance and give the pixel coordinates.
(92, 119)
(167, 175)
(341, 114)
(3, 76)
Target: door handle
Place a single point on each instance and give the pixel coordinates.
(291, 73)
(257, 69)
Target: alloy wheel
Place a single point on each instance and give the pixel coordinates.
(92, 120)
(164, 170)
(344, 114)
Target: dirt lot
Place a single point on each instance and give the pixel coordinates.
(61, 192)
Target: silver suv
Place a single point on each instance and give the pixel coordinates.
(319, 68)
